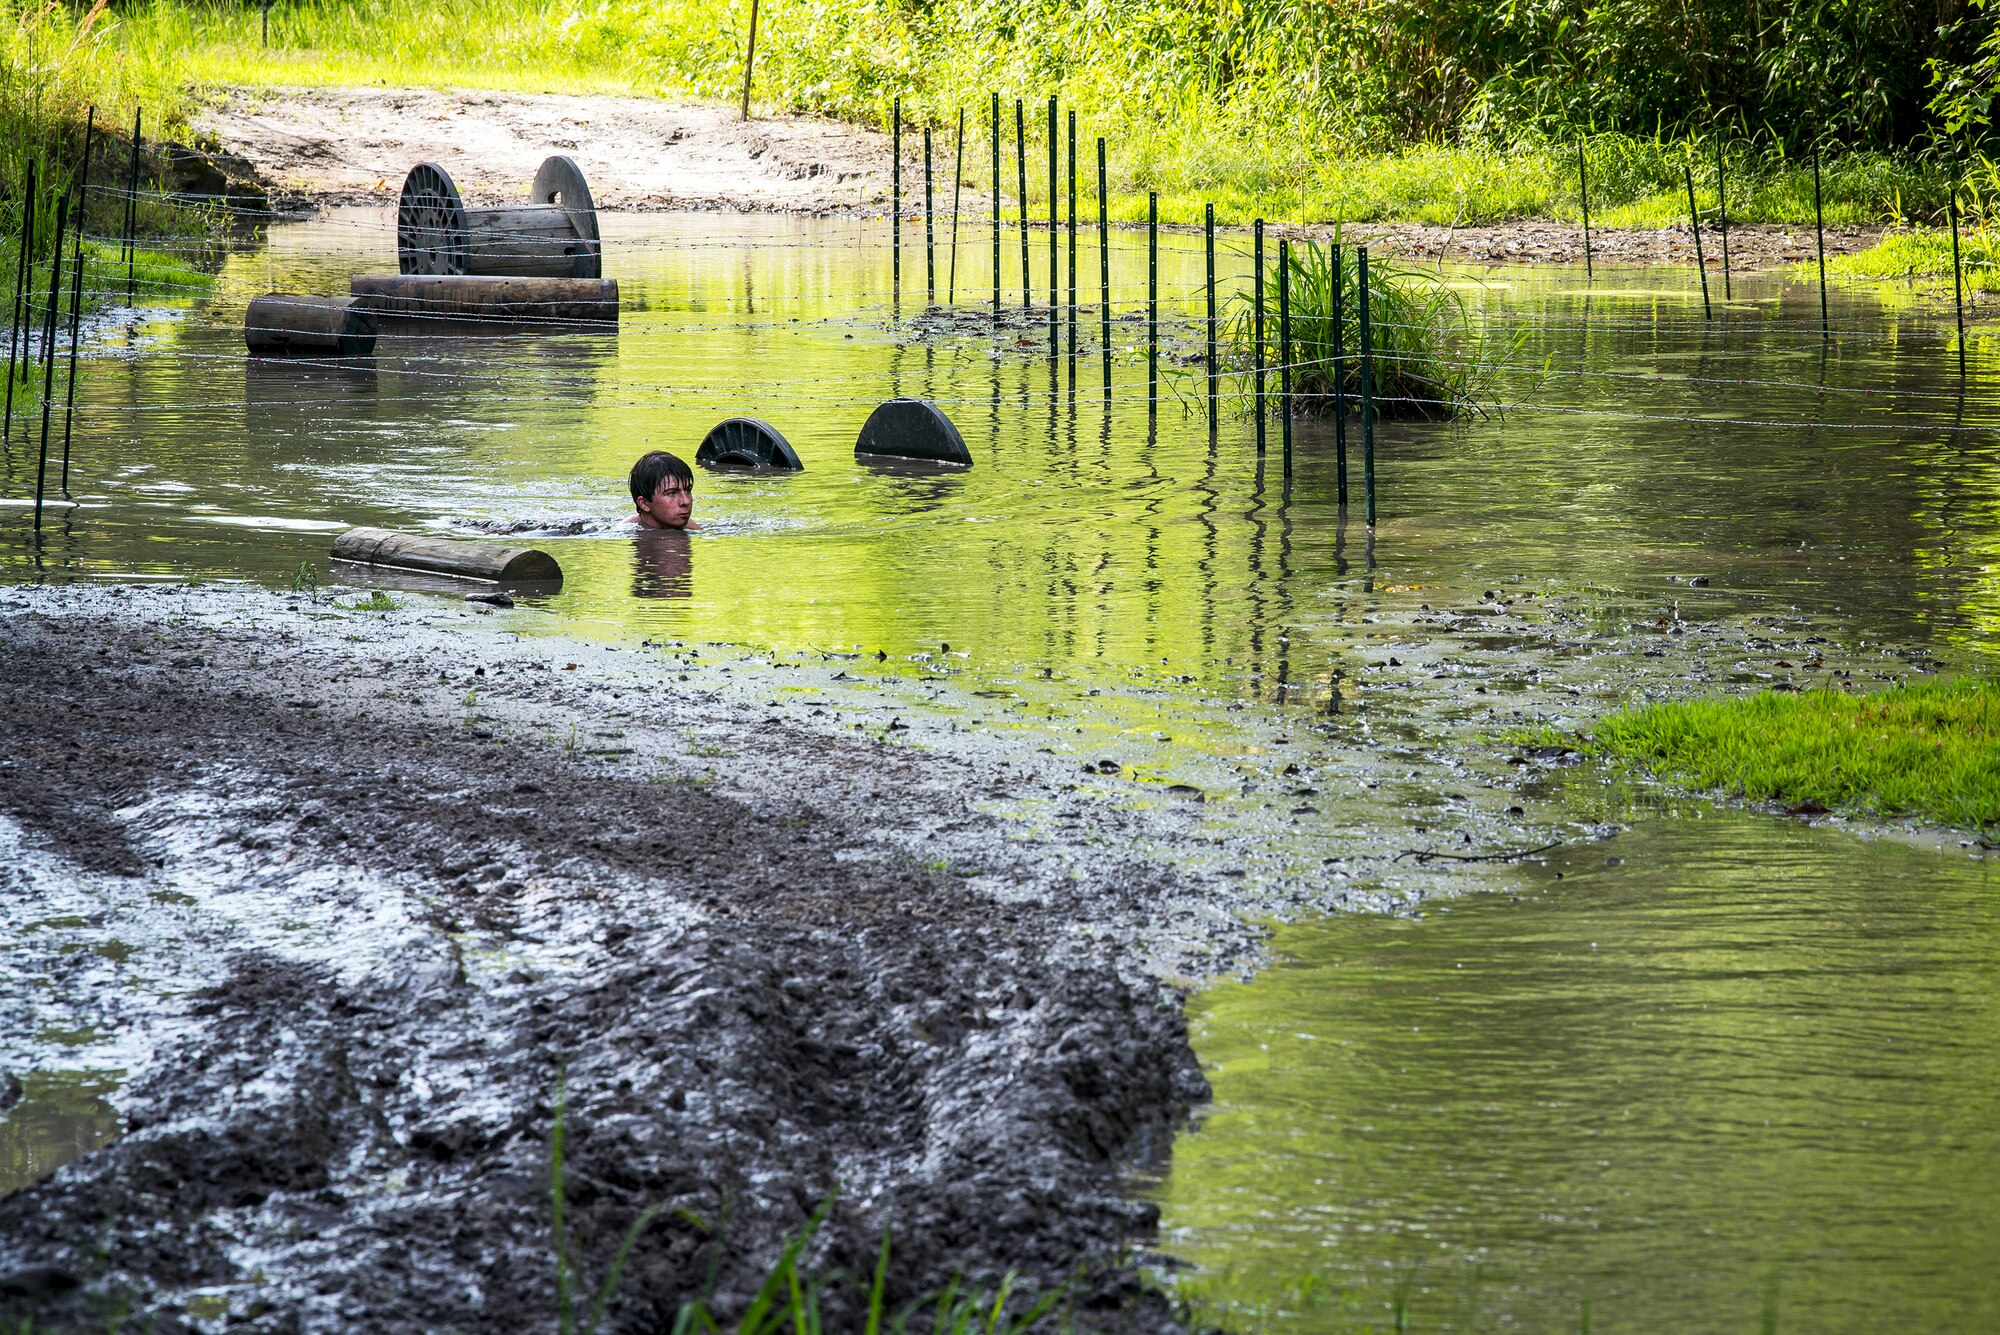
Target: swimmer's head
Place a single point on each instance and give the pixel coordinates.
(662, 491)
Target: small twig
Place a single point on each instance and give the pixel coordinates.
(1425, 855)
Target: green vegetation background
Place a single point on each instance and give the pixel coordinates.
(1465, 111)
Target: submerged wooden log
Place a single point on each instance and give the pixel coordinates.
(485, 561)
(570, 301)
(288, 324)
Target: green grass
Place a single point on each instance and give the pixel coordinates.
(1929, 750)
(1920, 262)
(1138, 73)
(1431, 359)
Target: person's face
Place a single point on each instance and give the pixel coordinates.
(670, 504)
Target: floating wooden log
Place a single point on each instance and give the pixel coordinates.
(552, 236)
(913, 429)
(485, 561)
(287, 324)
(746, 442)
(562, 301)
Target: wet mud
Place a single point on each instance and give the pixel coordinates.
(353, 892)
(756, 1004)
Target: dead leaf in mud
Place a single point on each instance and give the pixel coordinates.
(1809, 807)
(1184, 790)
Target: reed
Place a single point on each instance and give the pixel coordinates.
(1433, 360)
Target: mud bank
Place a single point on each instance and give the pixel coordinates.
(374, 902)
(317, 146)
(333, 896)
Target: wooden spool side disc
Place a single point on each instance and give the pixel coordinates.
(432, 235)
(560, 181)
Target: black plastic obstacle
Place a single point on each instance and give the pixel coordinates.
(746, 442)
(912, 429)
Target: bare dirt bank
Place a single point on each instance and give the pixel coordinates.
(354, 145)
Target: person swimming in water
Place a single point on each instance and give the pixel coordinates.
(662, 493)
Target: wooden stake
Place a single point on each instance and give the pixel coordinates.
(76, 291)
(1367, 388)
(49, 354)
(1694, 225)
(750, 58)
(1257, 339)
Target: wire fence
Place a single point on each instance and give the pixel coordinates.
(1189, 326)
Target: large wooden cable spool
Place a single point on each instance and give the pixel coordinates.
(555, 236)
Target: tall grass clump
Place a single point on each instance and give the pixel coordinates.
(1929, 750)
(1432, 360)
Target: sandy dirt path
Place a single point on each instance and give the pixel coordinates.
(354, 145)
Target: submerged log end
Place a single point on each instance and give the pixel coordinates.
(290, 324)
(485, 561)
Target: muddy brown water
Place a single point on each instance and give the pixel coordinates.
(1718, 1063)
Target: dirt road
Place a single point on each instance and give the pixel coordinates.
(354, 145)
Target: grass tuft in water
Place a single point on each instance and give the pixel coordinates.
(1929, 750)
(1431, 358)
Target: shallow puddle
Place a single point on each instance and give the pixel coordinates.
(1740, 1065)
(55, 1116)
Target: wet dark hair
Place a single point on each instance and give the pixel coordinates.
(656, 467)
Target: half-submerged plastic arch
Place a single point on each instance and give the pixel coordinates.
(913, 429)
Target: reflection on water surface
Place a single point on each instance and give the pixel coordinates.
(1706, 1060)
(1747, 1055)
